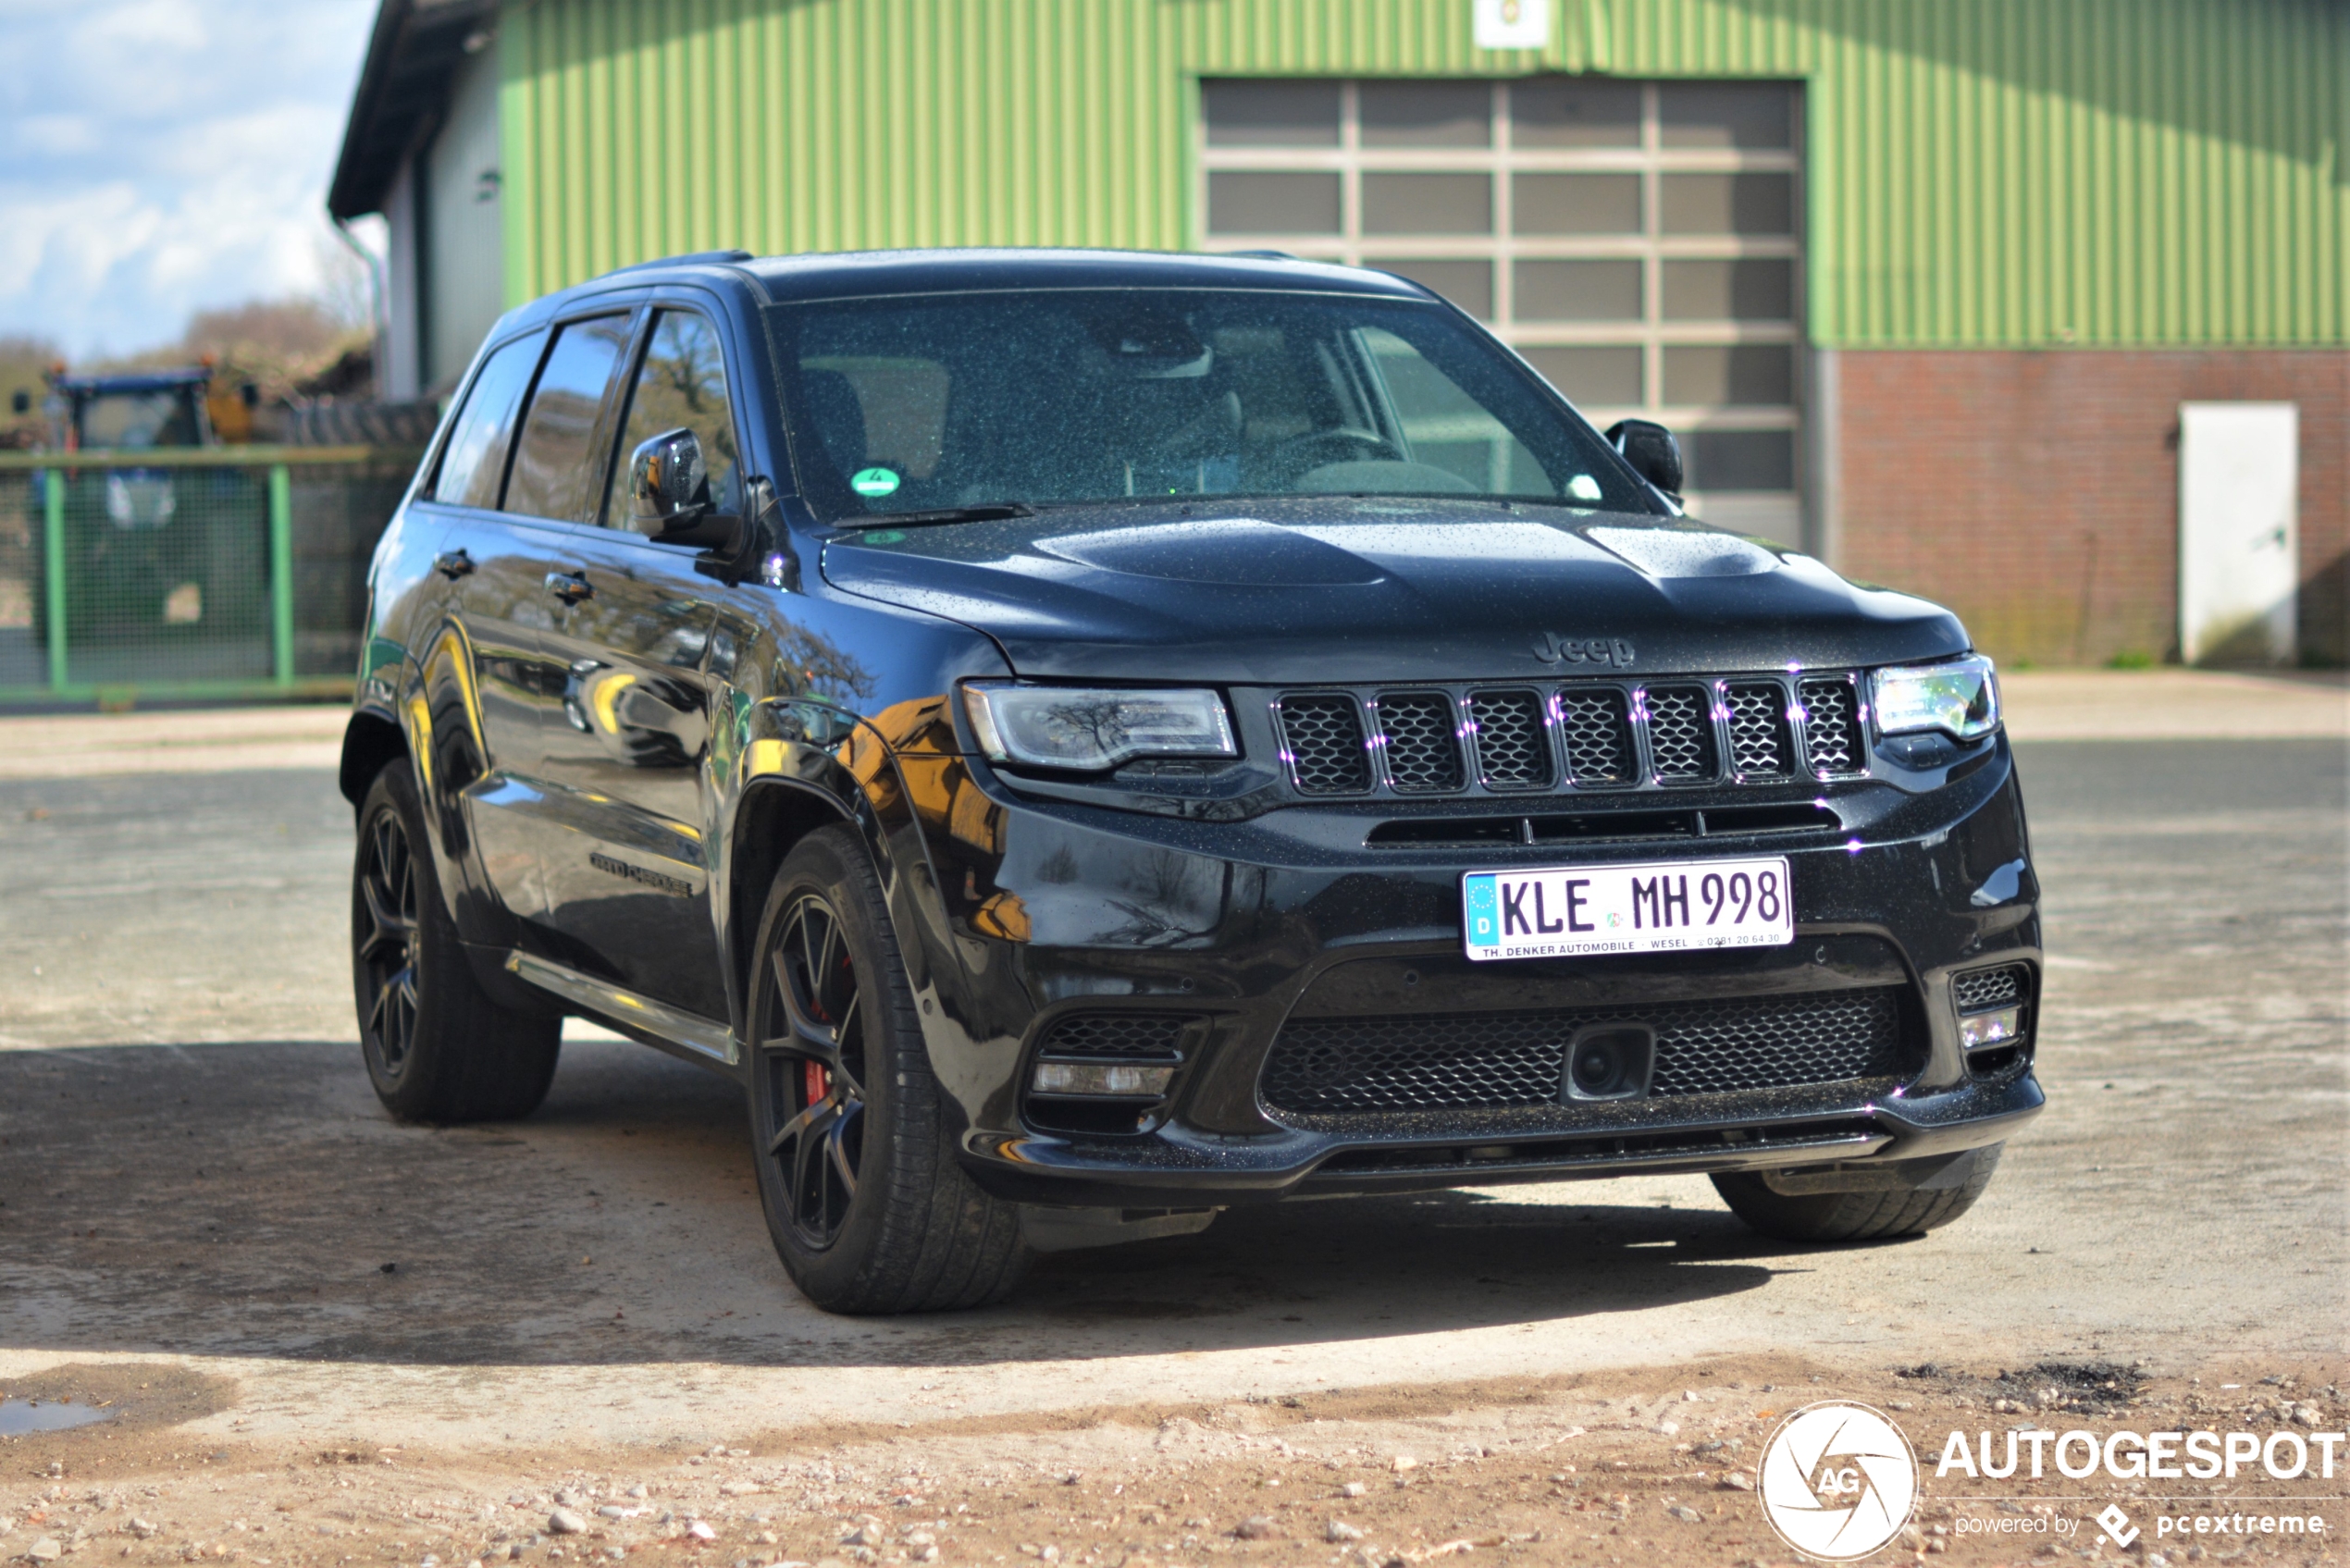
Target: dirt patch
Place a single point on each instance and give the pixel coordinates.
(1646, 1466)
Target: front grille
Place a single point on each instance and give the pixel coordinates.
(1511, 752)
(1599, 738)
(1116, 1035)
(1984, 990)
(1681, 732)
(1323, 737)
(1831, 725)
(1421, 740)
(1439, 740)
(1759, 743)
(1493, 1061)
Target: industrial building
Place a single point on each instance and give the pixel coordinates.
(1940, 292)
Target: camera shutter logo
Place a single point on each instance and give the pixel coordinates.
(1838, 1480)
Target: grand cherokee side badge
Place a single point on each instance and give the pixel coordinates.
(1552, 649)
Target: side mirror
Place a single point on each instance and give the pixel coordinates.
(669, 501)
(1651, 450)
(20, 401)
(668, 484)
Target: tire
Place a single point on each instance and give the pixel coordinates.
(851, 1132)
(1852, 1217)
(438, 1049)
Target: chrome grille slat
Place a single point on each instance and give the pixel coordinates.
(1760, 745)
(1322, 740)
(1831, 725)
(1596, 725)
(1513, 753)
(1680, 726)
(1419, 733)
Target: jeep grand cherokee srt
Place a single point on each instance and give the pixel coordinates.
(1090, 739)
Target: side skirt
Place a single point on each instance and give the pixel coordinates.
(627, 1010)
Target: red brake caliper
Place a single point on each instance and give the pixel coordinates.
(818, 1081)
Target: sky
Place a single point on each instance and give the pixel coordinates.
(162, 156)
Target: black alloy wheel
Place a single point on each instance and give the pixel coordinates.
(439, 1047)
(814, 1078)
(386, 936)
(854, 1138)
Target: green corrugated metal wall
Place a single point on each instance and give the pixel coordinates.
(1983, 172)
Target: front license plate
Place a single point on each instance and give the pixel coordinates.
(1673, 906)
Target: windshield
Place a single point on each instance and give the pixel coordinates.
(943, 401)
(138, 419)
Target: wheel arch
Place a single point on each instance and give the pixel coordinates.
(369, 741)
(803, 766)
(773, 817)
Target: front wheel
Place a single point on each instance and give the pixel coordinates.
(1853, 1217)
(438, 1049)
(869, 1210)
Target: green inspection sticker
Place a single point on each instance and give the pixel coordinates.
(874, 481)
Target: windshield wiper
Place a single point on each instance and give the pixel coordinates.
(991, 513)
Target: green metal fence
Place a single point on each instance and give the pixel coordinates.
(196, 572)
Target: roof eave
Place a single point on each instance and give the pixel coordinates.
(403, 84)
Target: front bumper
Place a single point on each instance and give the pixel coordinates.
(1052, 911)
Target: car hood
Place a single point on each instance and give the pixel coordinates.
(1279, 591)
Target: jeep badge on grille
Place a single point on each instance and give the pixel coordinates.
(1552, 649)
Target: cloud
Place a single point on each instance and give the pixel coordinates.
(162, 156)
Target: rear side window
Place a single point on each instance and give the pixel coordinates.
(555, 472)
(476, 460)
(682, 385)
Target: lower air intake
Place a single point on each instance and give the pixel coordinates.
(1494, 1061)
(1981, 990)
(1115, 1034)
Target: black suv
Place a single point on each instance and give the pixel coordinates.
(1088, 739)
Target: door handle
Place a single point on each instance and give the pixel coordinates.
(452, 564)
(569, 586)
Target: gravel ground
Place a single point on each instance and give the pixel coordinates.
(1634, 1466)
(198, 1193)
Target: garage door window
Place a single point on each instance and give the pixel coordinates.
(1637, 241)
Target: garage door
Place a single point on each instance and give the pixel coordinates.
(1636, 242)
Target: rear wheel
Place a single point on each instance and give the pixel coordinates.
(438, 1049)
(1852, 1217)
(855, 1149)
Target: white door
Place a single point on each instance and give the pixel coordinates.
(2239, 546)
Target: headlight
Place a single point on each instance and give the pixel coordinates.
(1960, 698)
(1089, 728)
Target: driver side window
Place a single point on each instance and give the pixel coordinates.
(682, 383)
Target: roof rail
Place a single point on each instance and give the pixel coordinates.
(690, 258)
(1262, 255)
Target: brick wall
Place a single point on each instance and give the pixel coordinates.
(2036, 492)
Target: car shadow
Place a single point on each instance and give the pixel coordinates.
(254, 1201)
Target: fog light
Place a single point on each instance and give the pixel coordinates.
(1123, 1080)
(1995, 1028)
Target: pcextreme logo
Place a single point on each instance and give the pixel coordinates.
(1838, 1480)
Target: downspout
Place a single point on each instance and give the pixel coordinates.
(378, 327)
